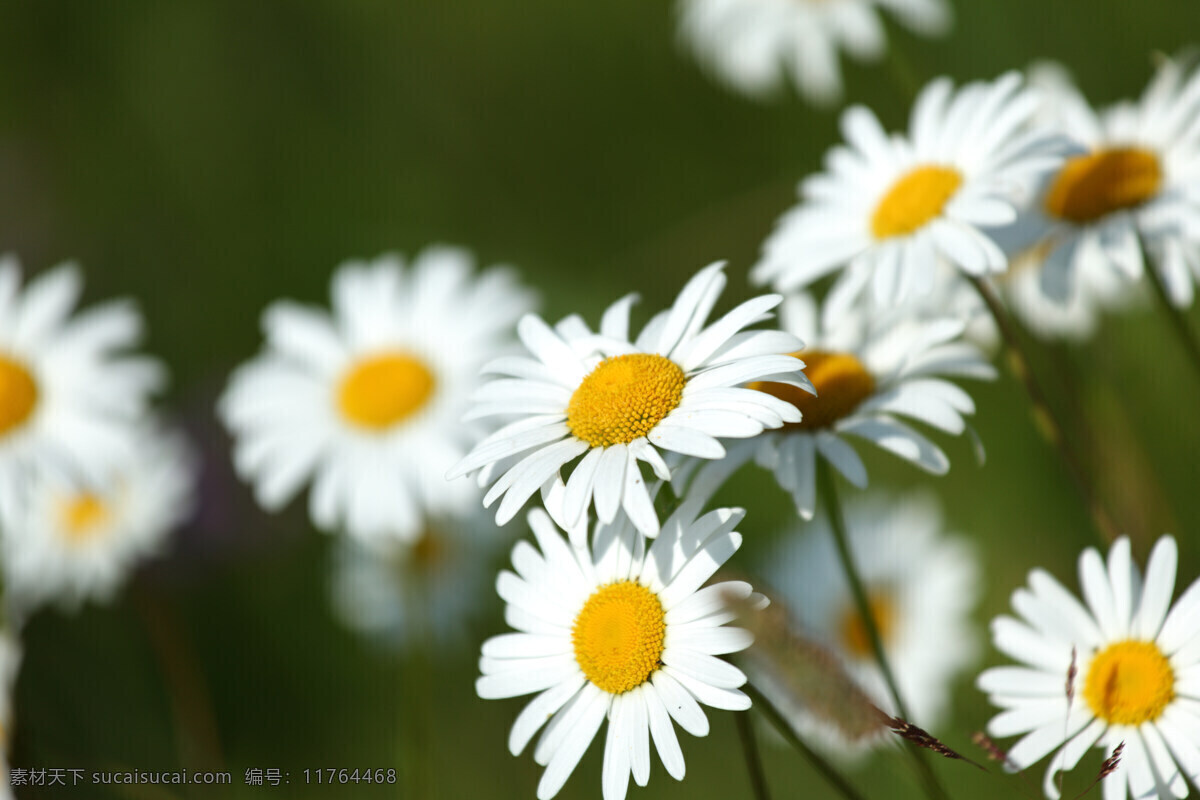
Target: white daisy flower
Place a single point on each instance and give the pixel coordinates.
(366, 402)
(1131, 195)
(409, 593)
(620, 632)
(71, 543)
(890, 208)
(753, 44)
(1132, 662)
(921, 586)
(676, 387)
(69, 390)
(870, 370)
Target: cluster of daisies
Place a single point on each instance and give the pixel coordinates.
(91, 479)
(430, 390)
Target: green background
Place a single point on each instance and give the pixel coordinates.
(207, 158)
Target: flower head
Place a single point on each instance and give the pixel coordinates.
(622, 632)
(366, 403)
(1120, 667)
(889, 208)
(677, 387)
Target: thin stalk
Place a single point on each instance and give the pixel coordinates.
(1044, 418)
(758, 779)
(1179, 324)
(827, 491)
(815, 760)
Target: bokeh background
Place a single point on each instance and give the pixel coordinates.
(207, 158)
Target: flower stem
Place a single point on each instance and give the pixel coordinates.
(827, 491)
(1044, 419)
(758, 779)
(815, 760)
(1179, 324)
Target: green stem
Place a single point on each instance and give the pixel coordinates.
(1044, 418)
(1179, 324)
(815, 760)
(827, 491)
(758, 779)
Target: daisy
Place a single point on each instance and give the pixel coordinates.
(410, 593)
(921, 585)
(617, 632)
(869, 370)
(1131, 660)
(753, 44)
(70, 542)
(891, 208)
(69, 390)
(366, 403)
(676, 387)
(1131, 195)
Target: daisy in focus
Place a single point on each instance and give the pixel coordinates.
(677, 387)
(366, 403)
(1131, 660)
(70, 543)
(870, 372)
(921, 586)
(70, 392)
(754, 44)
(409, 593)
(891, 208)
(1130, 197)
(617, 632)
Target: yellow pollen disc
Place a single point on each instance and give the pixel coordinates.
(618, 636)
(1095, 185)
(18, 394)
(381, 391)
(915, 199)
(623, 398)
(841, 381)
(853, 633)
(82, 515)
(1129, 683)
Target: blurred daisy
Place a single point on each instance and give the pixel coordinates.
(890, 208)
(869, 370)
(617, 402)
(921, 585)
(619, 633)
(367, 403)
(752, 44)
(1131, 196)
(71, 543)
(410, 593)
(68, 392)
(1131, 660)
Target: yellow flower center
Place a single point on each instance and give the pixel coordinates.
(82, 516)
(1129, 683)
(379, 392)
(841, 381)
(1095, 185)
(618, 636)
(18, 394)
(623, 398)
(915, 199)
(853, 633)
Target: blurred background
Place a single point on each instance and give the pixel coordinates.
(207, 158)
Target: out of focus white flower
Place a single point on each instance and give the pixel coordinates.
(753, 45)
(69, 391)
(69, 542)
(366, 403)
